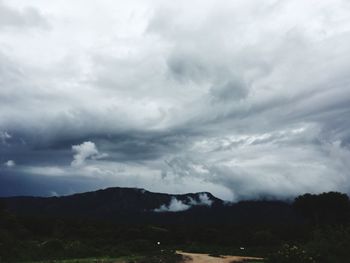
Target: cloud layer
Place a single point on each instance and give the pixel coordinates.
(239, 98)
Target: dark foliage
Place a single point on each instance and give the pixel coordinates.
(25, 237)
(326, 208)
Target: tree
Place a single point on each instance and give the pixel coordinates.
(2, 207)
(329, 208)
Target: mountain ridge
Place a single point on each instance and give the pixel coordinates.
(137, 205)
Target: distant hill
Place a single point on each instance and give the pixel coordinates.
(134, 205)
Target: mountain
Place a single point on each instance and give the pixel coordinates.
(134, 205)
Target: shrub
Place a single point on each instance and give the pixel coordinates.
(291, 254)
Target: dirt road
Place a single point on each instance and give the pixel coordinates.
(205, 258)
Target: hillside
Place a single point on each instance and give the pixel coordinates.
(133, 205)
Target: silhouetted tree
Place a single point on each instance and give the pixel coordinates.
(2, 207)
(331, 207)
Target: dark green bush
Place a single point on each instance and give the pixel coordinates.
(291, 254)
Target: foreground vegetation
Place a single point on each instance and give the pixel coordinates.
(323, 236)
(169, 256)
(90, 260)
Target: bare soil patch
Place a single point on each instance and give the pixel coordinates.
(205, 258)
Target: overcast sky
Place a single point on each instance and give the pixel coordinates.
(244, 99)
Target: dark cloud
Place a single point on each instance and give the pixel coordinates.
(17, 183)
(241, 99)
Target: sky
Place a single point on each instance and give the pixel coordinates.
(244, 99)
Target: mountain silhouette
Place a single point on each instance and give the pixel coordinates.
(134, 205)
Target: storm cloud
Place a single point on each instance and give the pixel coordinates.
(243, 99)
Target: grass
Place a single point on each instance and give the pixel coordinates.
(107, 260)
(104, 260)
(91, 260)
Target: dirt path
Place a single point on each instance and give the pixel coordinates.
(205, 258)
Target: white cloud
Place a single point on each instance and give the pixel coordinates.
(84, 151)
(174, 206)
(178, 205)
(4, 136)
(204, 200)
(10, 163)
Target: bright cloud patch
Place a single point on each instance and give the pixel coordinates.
(174, 206)
(204, 200)
(10, 163)
(84, 151)
(178, 205)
